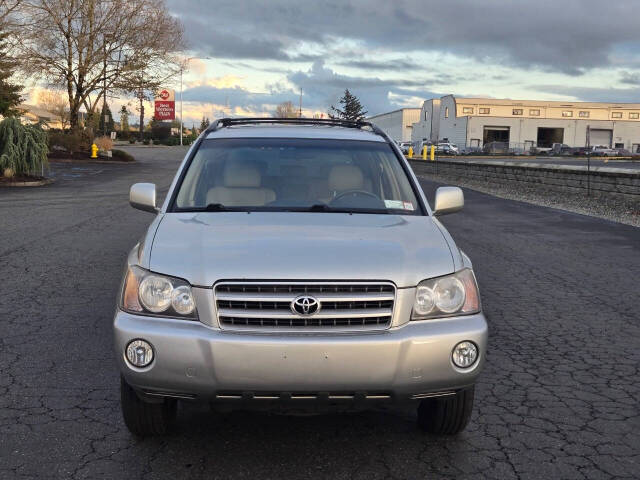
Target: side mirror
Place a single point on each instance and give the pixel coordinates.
(448, 200)
(143, 197)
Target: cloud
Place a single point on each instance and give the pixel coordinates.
(321, 88)
(631, 78)
(571, 36)
(378, 65)
(256, 102)
(594, 94)
(326, 87)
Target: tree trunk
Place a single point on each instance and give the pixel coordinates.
(74, 109)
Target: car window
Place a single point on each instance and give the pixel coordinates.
(296, 174)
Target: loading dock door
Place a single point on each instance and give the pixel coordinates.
(600, 137)
(495, 134)
(548, 136)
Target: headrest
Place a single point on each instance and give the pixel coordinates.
(345, 177)
(241, 175)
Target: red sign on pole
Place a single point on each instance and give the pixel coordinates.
(165, 105)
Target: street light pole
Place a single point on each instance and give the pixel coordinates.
(181, 68)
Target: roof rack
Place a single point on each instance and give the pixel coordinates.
(229, 122)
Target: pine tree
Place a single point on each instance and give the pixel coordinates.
(204, 124)
(351, 108)
(9, 93)
(106, 111)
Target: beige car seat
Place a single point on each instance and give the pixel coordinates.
(241, 188)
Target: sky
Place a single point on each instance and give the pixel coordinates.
(252, 55)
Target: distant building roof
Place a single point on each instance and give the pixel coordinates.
(547, 103)
(35, 114)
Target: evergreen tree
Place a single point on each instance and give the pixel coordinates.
(106, 111)
(351, 108)
(9, 93)
(204, 124)
(124, 119)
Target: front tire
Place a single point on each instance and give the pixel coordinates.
(446, 415)
(145, 419)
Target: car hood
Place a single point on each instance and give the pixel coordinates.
(206, 247)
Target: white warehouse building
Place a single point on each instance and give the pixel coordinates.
(398, 124)
(426, 129)
(476, 122)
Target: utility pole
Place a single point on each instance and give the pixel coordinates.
(181, 68)
(104, 86)
(300, 111)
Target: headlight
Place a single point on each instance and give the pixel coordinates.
(149, 293)
(464, 354)
(155, 293)
(455, 294)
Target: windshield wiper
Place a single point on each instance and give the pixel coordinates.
(215, 207)
(319, 207)
(323, 207)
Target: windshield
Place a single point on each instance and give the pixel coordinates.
(296, 174)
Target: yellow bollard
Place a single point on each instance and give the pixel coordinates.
(410, 152)
(424, 152)
(433, 152)
(94, 151)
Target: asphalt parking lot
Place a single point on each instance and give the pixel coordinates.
(559, 397)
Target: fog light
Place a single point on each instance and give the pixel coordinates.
(464, 354)
(139, 353)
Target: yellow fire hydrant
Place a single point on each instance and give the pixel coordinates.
(94, 151)
(410, 152)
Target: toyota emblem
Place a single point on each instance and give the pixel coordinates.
(305, 305)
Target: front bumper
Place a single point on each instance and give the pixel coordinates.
(193, 360)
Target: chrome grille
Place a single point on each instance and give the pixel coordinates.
(346, 305)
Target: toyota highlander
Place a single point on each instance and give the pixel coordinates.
(297, 263)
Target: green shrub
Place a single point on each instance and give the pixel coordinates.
(23, 148)
(146, 141)
(71, 141)
(122, 156)
(160, 130)
(132, 140)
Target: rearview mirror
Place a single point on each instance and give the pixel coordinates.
(448, 200)
(143, 197)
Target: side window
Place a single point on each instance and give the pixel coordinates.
(446, 112)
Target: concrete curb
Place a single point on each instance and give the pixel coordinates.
(110, 162)
(37, 183)
(537, 166)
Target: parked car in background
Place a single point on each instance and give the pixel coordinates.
(582, 151)
(447, 148)
(603, 151)
(297, 264)
(404, 147)
(561, 149)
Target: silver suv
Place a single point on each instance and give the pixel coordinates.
(297, 263)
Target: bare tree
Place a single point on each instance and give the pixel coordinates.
(7, 8)
(55, 102)
(86, 46)
(286, 110)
